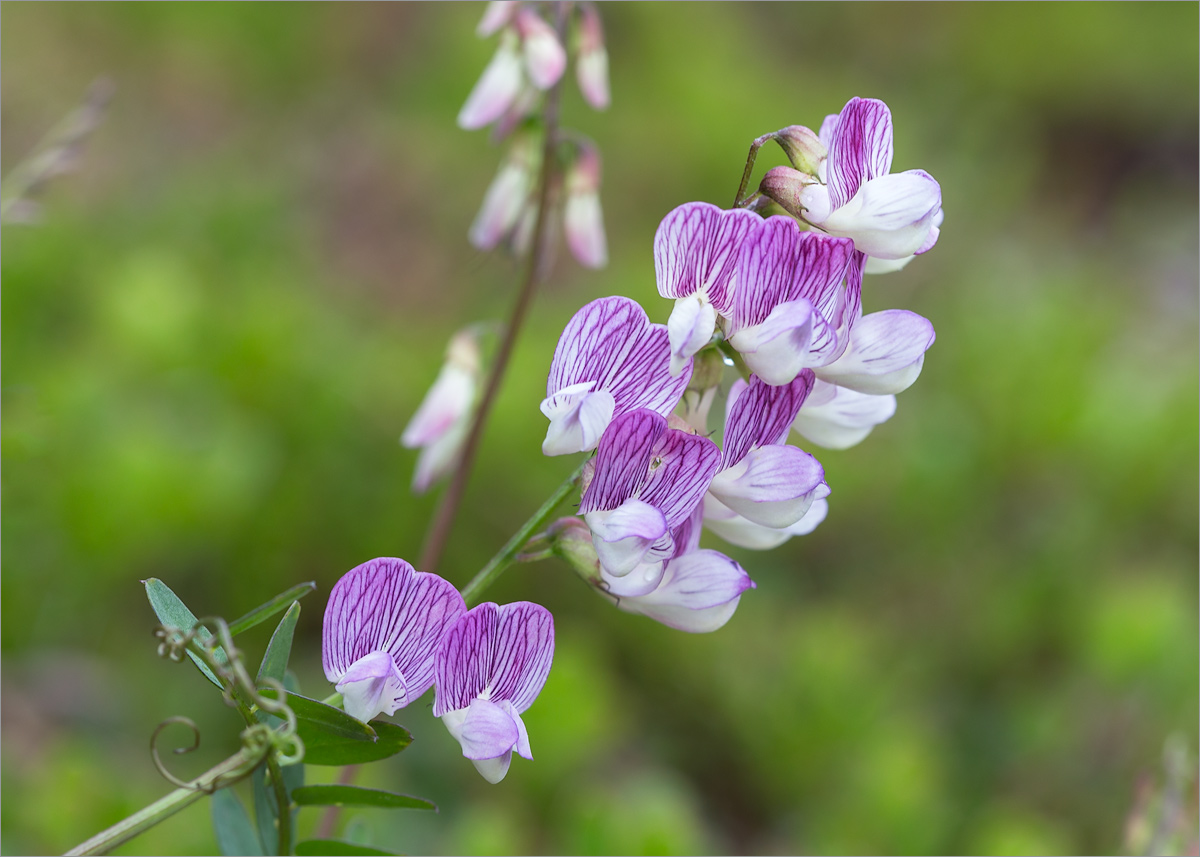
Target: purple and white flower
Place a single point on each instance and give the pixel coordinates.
(695, 255)
(884, 353)
(890, 216)
(610, 360)
(838, 418)
(490, 668)
(509, 196)
(591, 64)
(761, 478)
(383, 624)
(440, 425)
(646, 482)
(794, 302)
(583, 221)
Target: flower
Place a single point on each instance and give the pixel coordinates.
(646, 481)
(382, 627)
(583, 220)
(889, 216)
(530, 56)
(490, 668)
(695, 251)
(609, 360)
(509, 194)
(591, 64)
(794, 301)
(838, 418)
(440, 425)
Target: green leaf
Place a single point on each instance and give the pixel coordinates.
(266, 813)
(333, 737)
(334, 846)
(274, 662)
(264, 612)
(235, 834)
(171, 611)
(339, 795)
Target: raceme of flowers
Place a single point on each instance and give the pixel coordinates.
(391, 632)
(531, 59)
(781, 296)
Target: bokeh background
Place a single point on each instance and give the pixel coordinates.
(228, 314)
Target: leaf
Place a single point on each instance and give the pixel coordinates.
(171, 611)
(314, 718)
(265, 812)
(334, 846)
(235, 833)
(340, 795)
(274, 662)
(263, 612)
(392, 739)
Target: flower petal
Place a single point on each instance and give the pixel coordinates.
(373, 686)
(623, 536)
(681, 467)
(699, 593)
(384, 605)
(778, 349)
(771, 485)
(690, 327)
(741, 531)
(860, 148)
(545, 58)
(890, 217)
(622, 461)
(695, 251)
(885, 354)
(495, 90)
(762, 415)
(583, 223)
(501, 653)
(578, 417)
(591, 63)
(838, 418)
(496, 15)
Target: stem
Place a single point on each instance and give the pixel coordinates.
(226, 773)
(750, 158)
(439, 530)
(508, 554)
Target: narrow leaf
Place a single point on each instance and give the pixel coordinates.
(264, 612)
(334, 847)
(235, 834)
(171, 611)
(274, 662)
(266, 813)
(331, 751)
(340, 795)
(315, 718)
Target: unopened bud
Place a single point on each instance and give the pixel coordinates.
(583, 219)
(545, 59)
(571, 540)
(591, 64)
(707, 368)
(784, 186)
(803, 148)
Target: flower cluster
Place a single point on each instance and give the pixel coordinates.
(781, 298)
(390, 633)
(530, 59)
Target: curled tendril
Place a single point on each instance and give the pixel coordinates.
(217, 652)
(179, 751)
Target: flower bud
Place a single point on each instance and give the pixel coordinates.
(571, 540)
(591, 64)
(583, 219)
(497, 14)
(803, 148)
(784, 186)
(545, 59)
(507, 196)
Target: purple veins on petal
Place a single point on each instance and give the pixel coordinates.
(499, 653)
(386, 606)
(760, 414)
(681, 467)
(695, 250)
(622, 459)
(860, 148)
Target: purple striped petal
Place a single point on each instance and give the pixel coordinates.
(622, 460)
(837, 418)
(611, 345)
(761, 415)
(699, 593)
(385, 606)
(885, 354)
(781, 263)
(497, 653)
(681, 466)
(695, 251)
(860, 148)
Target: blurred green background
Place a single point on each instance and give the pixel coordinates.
(214, 339)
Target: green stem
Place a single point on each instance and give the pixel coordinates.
(236, 767)
(508, 554)
(746, 173)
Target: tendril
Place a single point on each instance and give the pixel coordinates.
(179, 751)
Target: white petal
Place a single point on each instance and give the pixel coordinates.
(885, 355)
(837, 418)
(773, 485)
(890, 216)
(690, 327)
(624, 535)
(372, 686)
(577, 417)
(698, 594)
(778, 349)
(496, 89)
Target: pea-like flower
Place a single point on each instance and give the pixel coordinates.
(610, 360)
(383, 624)
(490, 668)
(647, 480)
